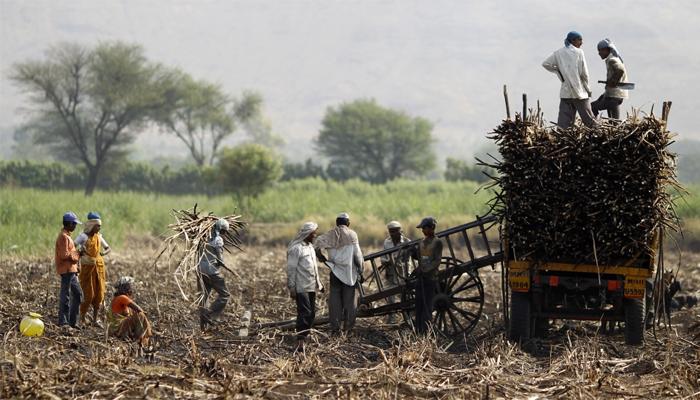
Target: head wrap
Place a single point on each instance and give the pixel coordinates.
(221, 225)
(90, 224)
(393, 225)
(303, 233)
(343, 215)
(608, 44)
(571, 36)
(93, 215)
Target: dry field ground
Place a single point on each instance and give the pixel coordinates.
(377, 361)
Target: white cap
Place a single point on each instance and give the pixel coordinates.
(343, 215)
(393, 225)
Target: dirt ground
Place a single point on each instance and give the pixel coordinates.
(377, 361)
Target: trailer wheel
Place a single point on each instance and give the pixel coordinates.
(634, 321)
(520, 317)
(541, 327)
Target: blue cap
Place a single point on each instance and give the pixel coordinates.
(93, 215)
(70, 217)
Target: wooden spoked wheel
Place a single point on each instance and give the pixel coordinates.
(458, 301)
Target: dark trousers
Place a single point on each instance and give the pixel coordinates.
(341, 305)
(69, 299)
(611, 104)
(568, 109)
(425, 292)
(217, 283)
(306, 312)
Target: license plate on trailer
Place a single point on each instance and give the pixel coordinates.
(635, 287)
(519, 280)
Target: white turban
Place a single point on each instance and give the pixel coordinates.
(90, 224)
(303, 233)
(343, 215)
(393, 225)
(608, 44)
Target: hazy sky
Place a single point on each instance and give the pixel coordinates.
(444, 60)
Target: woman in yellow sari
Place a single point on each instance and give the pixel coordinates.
(92, 275)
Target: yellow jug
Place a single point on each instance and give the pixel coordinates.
(32, 325)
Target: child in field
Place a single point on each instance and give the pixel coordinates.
(66, 258)
(127, 320)
(92, 247)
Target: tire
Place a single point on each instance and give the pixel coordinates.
(520, 317)
(541, 327)
(634, 321)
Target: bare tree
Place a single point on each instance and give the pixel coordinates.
(91, 102)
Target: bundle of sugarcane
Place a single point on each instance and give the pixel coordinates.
(584, 195)
(186, 246)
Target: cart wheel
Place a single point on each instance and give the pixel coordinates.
(634, 321)
(458, 302)
(520, 317)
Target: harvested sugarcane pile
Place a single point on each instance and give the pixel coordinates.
(186, 246)
(584, 195)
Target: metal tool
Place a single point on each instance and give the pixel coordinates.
(622, 85)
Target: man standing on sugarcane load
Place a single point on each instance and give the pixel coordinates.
(209, 277)
(303, 280)
(346, 262)
(429, 255)
(569, 64)
(616, 74)
(393, 265)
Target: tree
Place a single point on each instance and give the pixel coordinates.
(247, 170)
(376, 143)
(307, 169)
(202, 116)
(91, 103)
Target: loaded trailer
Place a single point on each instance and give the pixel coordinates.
(542, 291)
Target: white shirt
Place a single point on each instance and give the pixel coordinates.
(389, 244)
(342, 262)
(302, 269)
(612, 64)
(570, 62)
(344, 255)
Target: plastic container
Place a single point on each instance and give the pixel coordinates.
(32, 325)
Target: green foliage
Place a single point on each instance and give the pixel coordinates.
(136, 177)
(30, 218)
(91, 102)
(460, 170)
(376, 144)
(247, 170)
(307, 169)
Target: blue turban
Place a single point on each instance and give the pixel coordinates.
(93, 215)
(571, 36)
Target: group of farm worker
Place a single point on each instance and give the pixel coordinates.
(344, 258)
(569, 64)
(83, 283)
